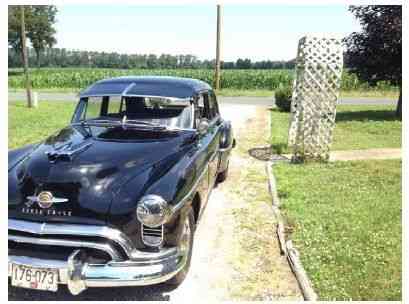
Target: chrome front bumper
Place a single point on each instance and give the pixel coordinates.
(152, 269)
(137, 269)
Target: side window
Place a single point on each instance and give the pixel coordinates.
(210, 105)
(96, 107)
(93, 109)
(207, 110)
(206, 107)
(199, 109)
(114, 105)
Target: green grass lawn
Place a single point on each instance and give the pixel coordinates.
(357, 127)
(346, 222)
(31, 125)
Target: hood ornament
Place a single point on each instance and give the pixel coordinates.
(45, 199)
(68, 151)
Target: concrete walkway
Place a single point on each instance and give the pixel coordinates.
(386, 153)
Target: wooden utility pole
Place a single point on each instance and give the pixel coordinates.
(25, 57)
(217, 67)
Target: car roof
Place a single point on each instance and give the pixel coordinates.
(161, 86)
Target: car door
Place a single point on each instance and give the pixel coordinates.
(208, 144)
(213, 134)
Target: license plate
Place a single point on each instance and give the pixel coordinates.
(34, 278)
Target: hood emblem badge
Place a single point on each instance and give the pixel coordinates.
(45, 200)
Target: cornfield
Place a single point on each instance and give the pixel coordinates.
(80, 78)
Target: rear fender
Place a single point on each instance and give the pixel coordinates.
(227, 143)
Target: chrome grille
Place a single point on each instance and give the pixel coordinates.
(101, 238)
(152, 236)
(64, 243)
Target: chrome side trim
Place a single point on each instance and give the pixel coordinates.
(67, 243)
(75, 230)
(128, 88)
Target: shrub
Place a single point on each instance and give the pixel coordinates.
(283, 98)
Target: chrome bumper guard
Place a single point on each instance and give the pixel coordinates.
(143, 268)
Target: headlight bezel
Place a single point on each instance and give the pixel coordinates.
(153, 211)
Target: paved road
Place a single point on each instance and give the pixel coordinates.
(258, 101)
(269, 101)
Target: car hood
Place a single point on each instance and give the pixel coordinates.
(88, 170)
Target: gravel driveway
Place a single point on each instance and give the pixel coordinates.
(211, 272)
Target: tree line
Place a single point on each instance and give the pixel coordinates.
(61, 57)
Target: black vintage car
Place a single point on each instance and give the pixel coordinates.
(113, 199)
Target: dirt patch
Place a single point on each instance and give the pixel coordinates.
(236, 254)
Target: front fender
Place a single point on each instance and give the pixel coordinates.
(17, 155)
(168, 178)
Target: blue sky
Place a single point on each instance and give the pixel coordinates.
(257, 32)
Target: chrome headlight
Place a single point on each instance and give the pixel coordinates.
(152, 211)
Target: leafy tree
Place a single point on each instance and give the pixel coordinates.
(39, 20)
(41, 33)
(14, 26)
(375, 54)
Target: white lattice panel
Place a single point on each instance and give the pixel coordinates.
(315, 94)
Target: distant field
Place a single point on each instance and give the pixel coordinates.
(78, 78)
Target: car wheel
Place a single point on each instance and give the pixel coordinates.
(221, 177)
(185, 243)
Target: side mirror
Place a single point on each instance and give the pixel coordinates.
(203, 127)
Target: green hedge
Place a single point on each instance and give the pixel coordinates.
(283, 98)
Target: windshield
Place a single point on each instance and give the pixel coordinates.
(135, 111)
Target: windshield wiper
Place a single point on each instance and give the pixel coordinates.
(124, 123)
(140, 122)
(95, 122)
